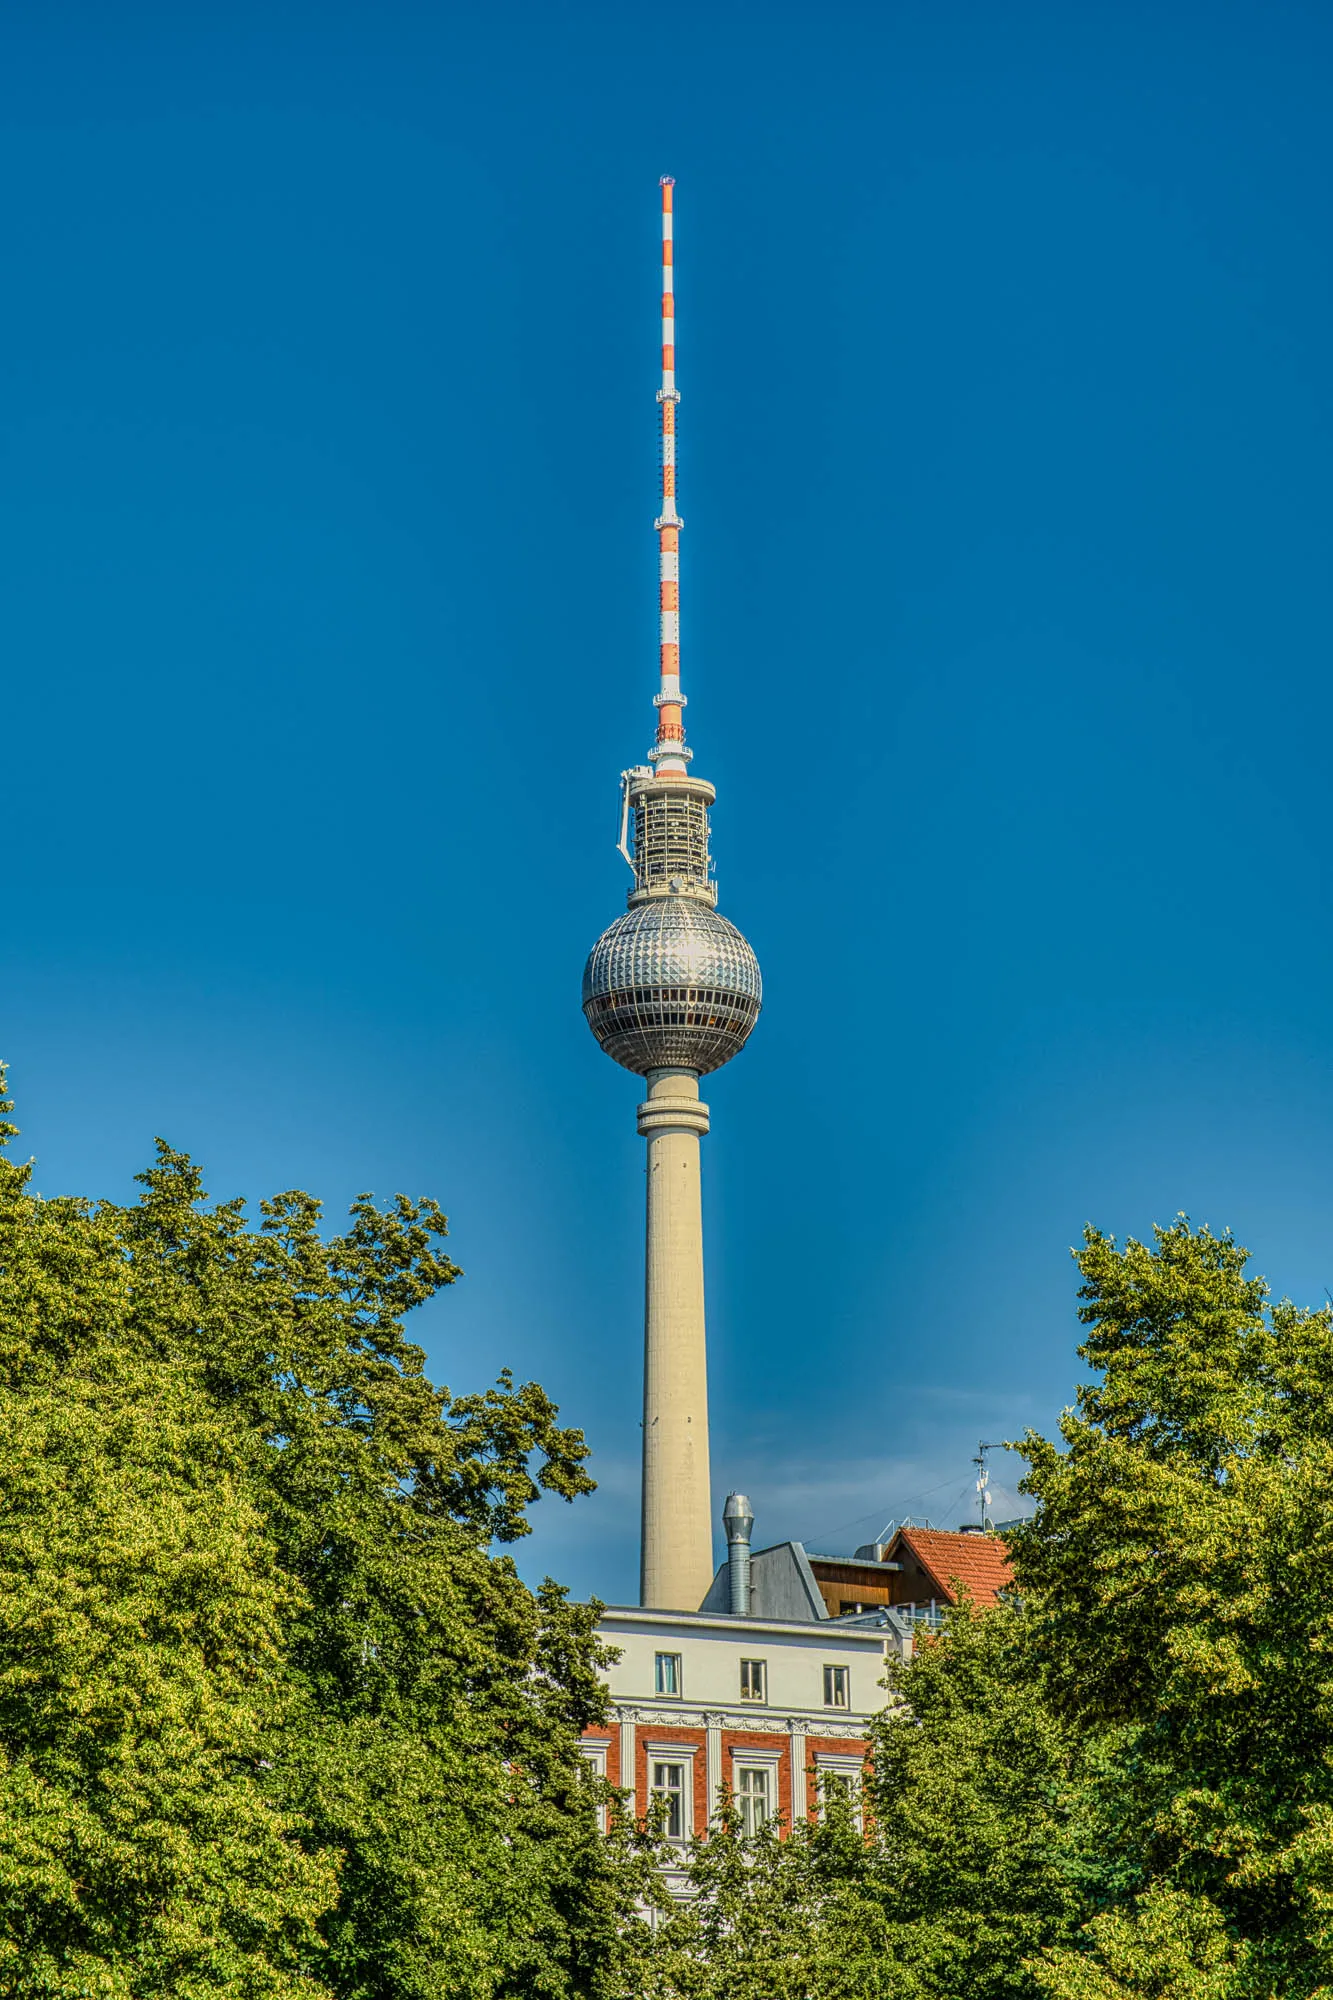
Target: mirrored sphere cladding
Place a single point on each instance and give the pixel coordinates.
(671, 985)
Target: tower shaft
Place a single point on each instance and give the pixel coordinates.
(677, 1538)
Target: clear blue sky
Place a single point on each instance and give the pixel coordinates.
(328, 476)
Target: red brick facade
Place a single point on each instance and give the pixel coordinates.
(652, 1739)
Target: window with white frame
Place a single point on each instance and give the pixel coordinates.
(666, 1673)
(669, 1781)
(594, 1756)
(837, 1687)
(839, 1777)
(754, 1680)
(754, 1800)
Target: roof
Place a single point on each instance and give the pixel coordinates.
(782, 1585)
(979, 1563)
(737, 1627)
(853, 1562)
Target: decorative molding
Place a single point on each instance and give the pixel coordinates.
(667, 1718)
(745, 1718)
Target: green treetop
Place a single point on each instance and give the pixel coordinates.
(1119, 1786)
(277, 1717)
(1180, 1570)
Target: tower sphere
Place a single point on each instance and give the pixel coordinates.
(671, 985)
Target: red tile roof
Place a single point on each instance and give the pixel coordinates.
(980, 1563)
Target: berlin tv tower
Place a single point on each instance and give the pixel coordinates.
(672, 991)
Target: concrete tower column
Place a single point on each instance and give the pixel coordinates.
(677, 1546)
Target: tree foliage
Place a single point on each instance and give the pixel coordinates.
(760, 1912)
(277, 1715)
(280, 1721)
(962, 1872)
(1122, 1784)
(1181, 1573)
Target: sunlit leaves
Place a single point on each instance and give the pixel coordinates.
(275, 1720)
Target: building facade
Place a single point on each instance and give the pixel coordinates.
(768, 1691)
(773, 1712)
(763, 1707)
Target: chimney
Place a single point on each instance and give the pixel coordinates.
(738, 1517)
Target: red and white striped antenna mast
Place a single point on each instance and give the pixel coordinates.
(669, 756)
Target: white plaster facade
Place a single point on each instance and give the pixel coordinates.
(710, 1650)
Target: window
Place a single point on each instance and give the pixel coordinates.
(836, 1691)
(594, 1756)
(754, 1680)
(667, 1676)
(669, 1786)
(841, 1781)
(752, 1799)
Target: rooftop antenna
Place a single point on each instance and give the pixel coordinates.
(983, 1482)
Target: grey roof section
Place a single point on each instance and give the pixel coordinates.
(858, 1562)
(881, 1616)
(635, 1614)
(782, 1586)
(899, 1626)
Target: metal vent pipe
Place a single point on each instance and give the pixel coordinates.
(738, 1518)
